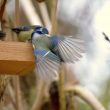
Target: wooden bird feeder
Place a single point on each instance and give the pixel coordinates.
(16, 58)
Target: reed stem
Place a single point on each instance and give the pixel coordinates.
(62, 100)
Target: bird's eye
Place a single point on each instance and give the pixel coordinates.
(106, 37)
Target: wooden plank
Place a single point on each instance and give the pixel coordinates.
(16, 58)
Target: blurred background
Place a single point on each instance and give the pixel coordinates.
(84, 19)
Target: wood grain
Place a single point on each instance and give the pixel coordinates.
(16, 58)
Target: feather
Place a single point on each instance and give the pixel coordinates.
(78, 44)
(47, 64)
(68, 48)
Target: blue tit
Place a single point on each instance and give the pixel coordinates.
(51, 50)
(24, 32)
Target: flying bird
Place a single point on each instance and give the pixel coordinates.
(51, 50)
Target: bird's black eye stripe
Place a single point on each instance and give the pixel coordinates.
(106, 37)
(37, 28)
(39, 32)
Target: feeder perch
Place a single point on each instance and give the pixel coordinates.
(16, 58)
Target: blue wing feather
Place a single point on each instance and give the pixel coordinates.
(67, 48)
(47, 64)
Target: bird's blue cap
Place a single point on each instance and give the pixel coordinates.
(41, 30)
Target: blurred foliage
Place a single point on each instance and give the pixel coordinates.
(105, 98)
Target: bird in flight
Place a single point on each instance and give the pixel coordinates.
(51, 50)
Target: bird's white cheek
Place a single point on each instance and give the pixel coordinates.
(35, 36)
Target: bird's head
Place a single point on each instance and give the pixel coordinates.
(39, 31)
(24, 28)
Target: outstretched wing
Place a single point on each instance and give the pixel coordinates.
(68, 48)
(47, 64)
